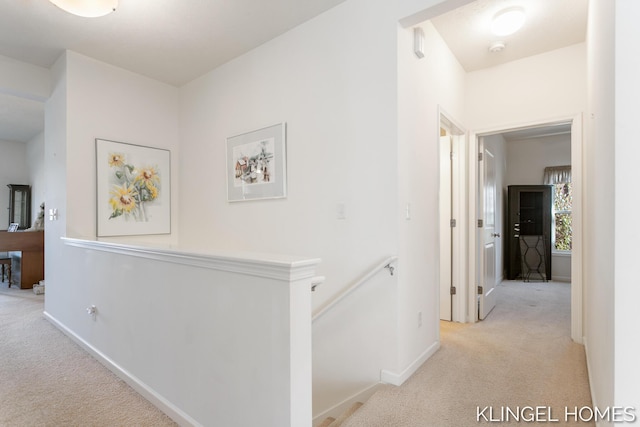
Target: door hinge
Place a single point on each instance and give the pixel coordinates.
(480, 223)
(452, 223)
(479, 157)
(453, 290)
(451, 155)
(480, 290)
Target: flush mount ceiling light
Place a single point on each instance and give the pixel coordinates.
(508, 21)
(87, 8)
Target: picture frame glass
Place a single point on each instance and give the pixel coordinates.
(256, 164)
(133, 189)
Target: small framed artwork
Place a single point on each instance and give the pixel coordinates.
(133, 189)
(13, 227)
(256, 164)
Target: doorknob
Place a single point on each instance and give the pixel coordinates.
(495, 234)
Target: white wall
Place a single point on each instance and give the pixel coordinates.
(533, 89)
(600, 239)
(423, 86)
(93, 100)
(526, 160)
(627, 293)
(13, 170)
(35, 167)
(611, 289)
(333, 81)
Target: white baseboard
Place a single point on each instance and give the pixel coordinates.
(561, 278)
(594, 403)
(144, 390)
(399, 379)
(338, 409)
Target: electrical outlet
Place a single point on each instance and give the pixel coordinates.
(92, 311)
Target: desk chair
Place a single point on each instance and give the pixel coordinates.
(5, 260)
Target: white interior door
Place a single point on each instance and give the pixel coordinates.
(445, 229)
(487, 231)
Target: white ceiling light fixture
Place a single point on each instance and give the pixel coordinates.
(87, 8)
(508, 21)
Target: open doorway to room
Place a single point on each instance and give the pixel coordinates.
(510, 83)
(452, 201)
(537, 155)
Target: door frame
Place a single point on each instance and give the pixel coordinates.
(577, 161)
(459, 211)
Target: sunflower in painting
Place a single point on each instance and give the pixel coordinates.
(116, 159)
(133, 188)
(123, 200)
(147, 181)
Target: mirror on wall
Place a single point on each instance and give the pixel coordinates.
(20, 205)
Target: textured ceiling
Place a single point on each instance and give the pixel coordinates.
(550, 25)
(177, 41)
(168, 40)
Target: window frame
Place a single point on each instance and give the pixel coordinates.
(554, 250)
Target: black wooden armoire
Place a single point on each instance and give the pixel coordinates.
(529, 215)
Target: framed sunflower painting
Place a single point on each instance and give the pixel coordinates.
(133, 189)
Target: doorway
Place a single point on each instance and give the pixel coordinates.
(574, 126)
(452, 214)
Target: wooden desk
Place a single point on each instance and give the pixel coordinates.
(31, 244)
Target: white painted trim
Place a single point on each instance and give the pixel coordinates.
(389, 377)
(561, 278)
(577, 213)
(143, 389)
(560, 254)
(279, 267)
(336, 410)
(460, 212)
(594, 403)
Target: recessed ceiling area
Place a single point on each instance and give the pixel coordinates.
(170, 41)
(176, 42)
(549, 25)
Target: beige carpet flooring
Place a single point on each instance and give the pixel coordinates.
(47, 380)
(521, 355)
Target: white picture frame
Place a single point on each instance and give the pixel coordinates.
(133, 195)
(257, 164)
